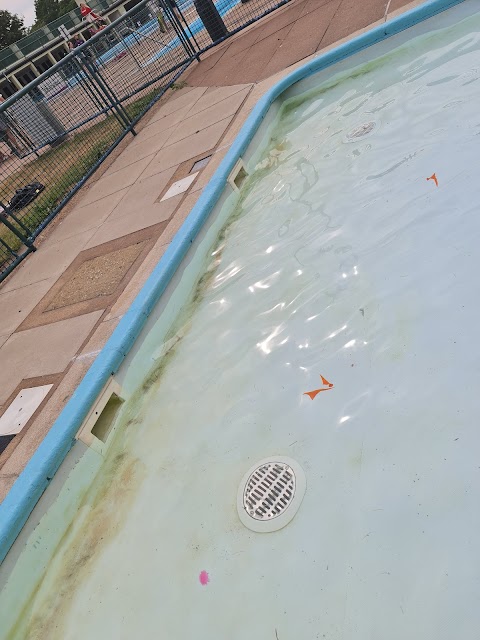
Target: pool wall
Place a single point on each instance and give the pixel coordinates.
(144, 311)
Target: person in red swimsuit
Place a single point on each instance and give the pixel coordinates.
(89, 15)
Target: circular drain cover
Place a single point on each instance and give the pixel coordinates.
(361, 131)
(270, 494)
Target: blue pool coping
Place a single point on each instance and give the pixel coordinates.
(39, 471)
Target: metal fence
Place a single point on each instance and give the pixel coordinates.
(56, 131)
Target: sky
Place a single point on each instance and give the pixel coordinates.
(24, 8)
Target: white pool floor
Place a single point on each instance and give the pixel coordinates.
(345, 262)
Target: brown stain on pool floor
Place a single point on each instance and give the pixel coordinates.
(83, 542)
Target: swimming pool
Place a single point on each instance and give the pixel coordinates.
(338, 259)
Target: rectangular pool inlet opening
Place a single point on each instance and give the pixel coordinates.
(238, 176)
(99, 423)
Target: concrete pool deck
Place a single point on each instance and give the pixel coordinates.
(59, 308)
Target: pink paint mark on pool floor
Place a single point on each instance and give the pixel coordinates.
(204, 578)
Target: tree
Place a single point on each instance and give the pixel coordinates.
(11, 28)
(45, 12)
(48, 10)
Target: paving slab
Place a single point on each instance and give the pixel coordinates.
(161, 124)
(42, 351)
(142, 146)
(48, 262)
(396, 5)
(15, 305)
(191, 147)
(154, 214)
(215, 95)
(204, 118)
(348, 18)
(113, 181)
(84, 218)
(144, 193)
(304, 37)
(279, 20)
(187, 98)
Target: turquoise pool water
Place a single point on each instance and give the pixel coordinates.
(340, 260)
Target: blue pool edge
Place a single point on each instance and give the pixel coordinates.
(39, 471)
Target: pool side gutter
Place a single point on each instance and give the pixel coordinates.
(39, 471)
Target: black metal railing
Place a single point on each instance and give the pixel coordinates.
(56, 131)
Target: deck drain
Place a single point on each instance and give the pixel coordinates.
(361, 131)
(270, 494)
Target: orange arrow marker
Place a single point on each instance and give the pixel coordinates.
(314, 394)
(434, 178)
(324, 381)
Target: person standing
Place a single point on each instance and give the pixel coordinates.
(89, 15)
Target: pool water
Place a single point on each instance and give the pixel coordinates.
(341, 260)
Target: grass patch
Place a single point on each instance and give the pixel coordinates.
(61, 168)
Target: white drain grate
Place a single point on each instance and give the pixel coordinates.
(269, 490)
(270, 494)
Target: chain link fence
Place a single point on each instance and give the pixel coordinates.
(56, 131)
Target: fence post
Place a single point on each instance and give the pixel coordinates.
(211, 19)
(28, 243)
(180, 29)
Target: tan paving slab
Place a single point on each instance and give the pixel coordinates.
(187, 98)
(279, 20)
(304, 38)
(142, 194)
(216, 94)
(112, 182)
(48, 262)
(238, 44)
(15, 305)
(402, 5)
(83, 218)
(192, 125)
(159, 125)
(141, 147)
(312, 5)
(348, 18)
(188, 148)
(223, 73)
(3, 339)
(42, 351)
(147, 217)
